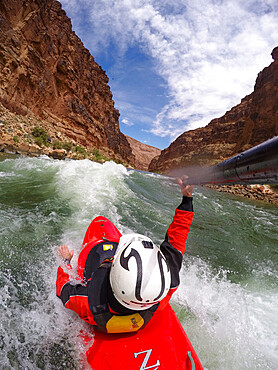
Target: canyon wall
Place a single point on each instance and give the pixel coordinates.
(249, 123)
(46, 71)
(143, 153)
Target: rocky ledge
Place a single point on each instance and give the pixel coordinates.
(265, 193)
(32, 136)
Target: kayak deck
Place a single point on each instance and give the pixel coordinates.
(161, 345)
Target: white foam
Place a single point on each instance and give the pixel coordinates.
(233, 327)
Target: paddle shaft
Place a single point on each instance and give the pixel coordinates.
(258, 165)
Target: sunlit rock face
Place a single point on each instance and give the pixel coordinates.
(46, 70)
(249, 123)
(143, 153)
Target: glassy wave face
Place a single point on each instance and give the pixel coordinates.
(228, 297)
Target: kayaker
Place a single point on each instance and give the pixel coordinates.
(125, 283)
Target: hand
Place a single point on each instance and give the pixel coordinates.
(186, 190)
(65, 253)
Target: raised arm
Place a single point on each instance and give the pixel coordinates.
(174, 244)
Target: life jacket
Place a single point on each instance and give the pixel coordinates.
(98, 302)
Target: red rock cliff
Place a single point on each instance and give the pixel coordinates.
(143, 153)
(46, 70)
(249, 123)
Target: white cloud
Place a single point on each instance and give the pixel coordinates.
(209, 52)
(126, 122)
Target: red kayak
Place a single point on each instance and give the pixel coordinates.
(161, 345)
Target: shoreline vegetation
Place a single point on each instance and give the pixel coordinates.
(30, 136)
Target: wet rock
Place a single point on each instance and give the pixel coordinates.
(58, 154)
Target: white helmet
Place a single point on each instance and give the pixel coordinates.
(139, 276)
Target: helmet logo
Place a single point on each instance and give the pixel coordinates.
(124, 264)
(134, 253)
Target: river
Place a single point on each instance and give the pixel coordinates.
(228, 297)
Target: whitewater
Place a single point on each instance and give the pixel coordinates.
(228, 298)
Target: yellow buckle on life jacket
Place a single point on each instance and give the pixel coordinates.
(124, 324)
(107, 247)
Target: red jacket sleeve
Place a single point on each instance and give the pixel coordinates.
(62, 279)
(173, 247)
(74, 295)
(180, 227)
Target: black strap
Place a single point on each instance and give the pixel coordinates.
(98, 298)
(95, 257)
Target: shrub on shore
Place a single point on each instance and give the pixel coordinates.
(41, 137)
(62, 145)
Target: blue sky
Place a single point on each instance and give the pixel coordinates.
(173, 65)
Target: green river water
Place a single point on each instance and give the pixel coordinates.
(228, 297)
